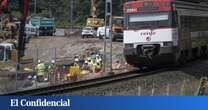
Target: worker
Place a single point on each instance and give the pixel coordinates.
(50, 68)
(85, 65)
(88, 60)
(74, 70)
(40, 71)
(76, 60)
(91, 65)
(98, 67)
(98, 59)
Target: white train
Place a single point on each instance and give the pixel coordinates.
(159, 32)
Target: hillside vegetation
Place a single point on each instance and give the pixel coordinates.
(60, 10)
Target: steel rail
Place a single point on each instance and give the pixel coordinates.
(75, 86)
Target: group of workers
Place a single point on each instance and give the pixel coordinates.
(43, 71)
(89, 64)
(82, 66)
(93, 63)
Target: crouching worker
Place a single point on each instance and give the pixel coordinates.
(98, 68)
(74, 70)
(40, 71)
(49, 70)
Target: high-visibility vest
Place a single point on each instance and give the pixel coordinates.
(50, 67)
(74, 70)
(98, 60)
(98, 66)
(40, 69)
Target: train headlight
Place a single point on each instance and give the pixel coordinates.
(168, 44)
(129, 45)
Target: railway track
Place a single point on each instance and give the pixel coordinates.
(70, 87)
(203, 87)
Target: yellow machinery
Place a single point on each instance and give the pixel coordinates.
(9, 29)
(117, 27)
(117, 24)
(94, 21)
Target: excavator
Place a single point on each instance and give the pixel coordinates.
(94, 21)
(7, 49)
(117, 26)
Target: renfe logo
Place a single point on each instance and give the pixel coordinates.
(147, 33)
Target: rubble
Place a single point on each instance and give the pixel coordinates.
(75, 49)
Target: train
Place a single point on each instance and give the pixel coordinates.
(161, 32)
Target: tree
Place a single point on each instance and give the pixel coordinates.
(60, 10)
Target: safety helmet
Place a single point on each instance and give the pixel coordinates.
(39, 61)
(76, 59)
(52, 61)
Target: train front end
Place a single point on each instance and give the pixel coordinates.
(150, 33)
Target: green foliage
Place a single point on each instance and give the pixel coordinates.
(60, 10)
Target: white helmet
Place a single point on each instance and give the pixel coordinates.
(53, 61)
(76, 59)
(38, 61)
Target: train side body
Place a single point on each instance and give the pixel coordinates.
(158, 32)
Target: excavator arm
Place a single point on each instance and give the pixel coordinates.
(24, 5)
(3, 5)
(93, 9)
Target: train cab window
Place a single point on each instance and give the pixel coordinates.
(151, 20)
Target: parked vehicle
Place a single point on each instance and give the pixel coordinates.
(88, 32)
(93, 21)
(6, 51)
(117, 28)
(40, 26)
(30, 31)
(101, 32)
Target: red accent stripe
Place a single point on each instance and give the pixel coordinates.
(162, 5)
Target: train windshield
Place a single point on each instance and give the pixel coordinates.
(150, 20)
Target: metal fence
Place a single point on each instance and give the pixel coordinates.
(11, 81)
(152, 86)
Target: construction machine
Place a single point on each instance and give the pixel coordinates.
(9, 28)
(8, 50)
(94, 21)
(117, 27)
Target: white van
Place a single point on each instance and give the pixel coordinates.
(101, 32)
(6, 51)
(88, 32)
(30, 31)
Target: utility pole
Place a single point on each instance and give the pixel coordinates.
(104, 54)
(108, 18)
(1, 22)
(71, 15)
(35, 6)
